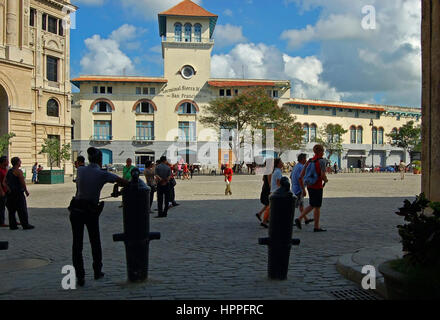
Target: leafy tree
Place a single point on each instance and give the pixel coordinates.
(330, 137)
(54, 151)
(5, 142)
(407, 137)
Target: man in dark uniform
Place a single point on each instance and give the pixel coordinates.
(85, 209)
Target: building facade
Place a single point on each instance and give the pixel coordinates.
(35, 89)
(144, 118)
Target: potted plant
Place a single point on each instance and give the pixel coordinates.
(417, 167)
(55, 153)
(417, 274)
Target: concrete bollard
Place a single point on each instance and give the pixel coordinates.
(279, 242)
(137, 235)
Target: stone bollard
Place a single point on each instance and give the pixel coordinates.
(282, 210)
(4, 245)
(137, 235)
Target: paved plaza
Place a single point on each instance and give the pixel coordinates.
(209, 245)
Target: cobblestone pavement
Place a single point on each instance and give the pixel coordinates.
(209, 246)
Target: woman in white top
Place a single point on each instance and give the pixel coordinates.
(274, 185)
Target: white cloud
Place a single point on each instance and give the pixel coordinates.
(149, 9)
(365, 63)
(226, 35)
(90, 2)
(228, 12)
(259, 61)
(105, 57)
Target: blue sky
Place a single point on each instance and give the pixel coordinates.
(320, 45)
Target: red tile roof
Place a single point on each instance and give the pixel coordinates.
(241, 83)
(119, 79)
(341, 106)
(187, 8)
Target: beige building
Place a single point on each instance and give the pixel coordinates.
(145, 118)
(35, 89)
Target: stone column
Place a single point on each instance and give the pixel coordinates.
(431, 99)
(11, 22)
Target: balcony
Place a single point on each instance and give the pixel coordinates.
(101, 138)
(202, 40)
(143, 138)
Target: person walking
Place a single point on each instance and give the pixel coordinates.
(85, 210)
(296, 188)
(172, 186)
(163, 175)
(34, 172)
(228, 179)
(185, 171)
(264, 196)
(3, 189)
(402, 168)
(191, 170)
(275, 183)
(151, 179)
(315, 189)
(15, 199)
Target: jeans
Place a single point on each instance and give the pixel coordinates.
(172, 195)
(79, 219)
(34, 177)
(2, 209)
(16, 202)
(163, 192)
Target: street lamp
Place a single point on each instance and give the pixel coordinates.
(372, 145)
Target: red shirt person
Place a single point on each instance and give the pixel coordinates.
(228, 179)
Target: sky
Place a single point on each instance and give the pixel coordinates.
(365, 51)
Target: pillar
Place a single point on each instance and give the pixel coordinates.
(431, 99)
(11, 22)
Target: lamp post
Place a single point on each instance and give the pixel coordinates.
(372, 145)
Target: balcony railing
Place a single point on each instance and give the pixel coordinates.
(193, 40)
(101, 138)
(143, 138)
(187, 139)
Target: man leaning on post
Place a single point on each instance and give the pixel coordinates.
(85, 209)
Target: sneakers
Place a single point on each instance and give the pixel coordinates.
(264, 225)
(28, 227)
(309, 221)
(99, 275)
(175, 204)
(258, 216)
(319, 230)
(161, 216)
(298, 224)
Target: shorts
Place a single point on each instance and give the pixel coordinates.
(299, 200)
(315, 195)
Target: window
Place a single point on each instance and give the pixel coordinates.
(178, 32)
(222, 92)
(144, 107)
(228, 92)
(44, 22)
(145, 91)
(95, 89)
(32, 17)
(306, 137)
(138, 90)
(187, 108)
(188, 31)
(380, 138)
(374, 135)
(152, 91)
(103, 130)
(360, 135)
(353, 135)
(52, 24)
(356, 113)
(236, 92)
(102, 106)
(334, 110)
(102, 90)
(377, 115)
(110, 90)
(187, 72)
(60, 27)
(144, 130)
(313, 129)
(52, 69)
(275, 93)
(394, 131)
(187, 131)
(306, 109)
(198, 32)
(52, 108)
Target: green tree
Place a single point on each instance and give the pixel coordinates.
(408, 137)
(330, 137)
(55, 152)
(5, 142)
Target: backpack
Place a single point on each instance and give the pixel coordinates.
(311, 176)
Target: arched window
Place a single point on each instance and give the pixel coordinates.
(394, 131)
(306, 137)
(380, 138)
(374, 135)
(313, 129)
(353, 135)
(52, 108)
(102, 106)
(178, 32)
(187, 108)
(360, 135)
(188, 32)
(198, 32)
(72, 132)
(144, 107)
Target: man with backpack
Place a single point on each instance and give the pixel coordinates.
(312, 177)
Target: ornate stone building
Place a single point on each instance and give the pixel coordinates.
(35, 89)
